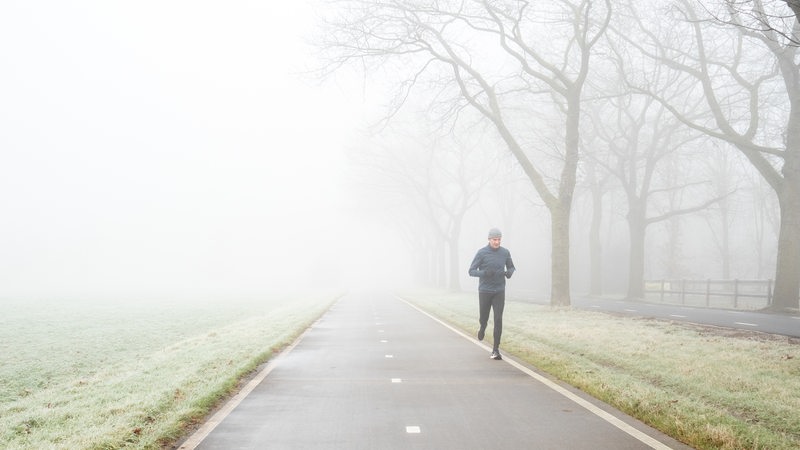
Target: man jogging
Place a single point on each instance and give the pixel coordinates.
(492, 264)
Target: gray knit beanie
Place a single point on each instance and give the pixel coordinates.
(495, 233)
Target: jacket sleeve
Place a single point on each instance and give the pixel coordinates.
(510, 269)
(473, 268)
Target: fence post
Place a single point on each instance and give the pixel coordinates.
(708, 292)
(735, 293)
(661, 294)
(683, 291)
(769, 292)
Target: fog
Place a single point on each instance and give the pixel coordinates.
(174, 149)
(191, 149)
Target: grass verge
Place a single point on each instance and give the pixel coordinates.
(708, 387)
(106, 375)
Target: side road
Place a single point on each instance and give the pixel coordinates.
(376, 373)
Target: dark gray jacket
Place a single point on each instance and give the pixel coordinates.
(493, 267)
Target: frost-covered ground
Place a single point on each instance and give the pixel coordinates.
(103, 374)
(100, 374)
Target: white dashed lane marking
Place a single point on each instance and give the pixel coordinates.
(397, 380)
(746, 324)
(413, 430)
(678, 316)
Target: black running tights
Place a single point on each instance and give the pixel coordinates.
(496, 301)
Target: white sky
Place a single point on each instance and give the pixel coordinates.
(153, 146)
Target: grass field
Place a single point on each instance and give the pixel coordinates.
(88, 374)
(708, 387)
(106, 375)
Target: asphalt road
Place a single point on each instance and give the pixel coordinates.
(783, 324)
(376, 373)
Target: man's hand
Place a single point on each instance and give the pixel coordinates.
(509, 273)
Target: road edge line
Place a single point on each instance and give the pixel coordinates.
(209, 425)
(594, 409)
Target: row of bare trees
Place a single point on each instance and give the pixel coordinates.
(590, 93)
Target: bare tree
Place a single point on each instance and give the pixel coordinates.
(765, 223)
(721, 168)
(758, 16)
(638, 134)
(672, 253)
(431, 182)
(459, 189)
(749, 80)
(597, 182)
(499, 59)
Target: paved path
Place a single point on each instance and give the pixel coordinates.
(376, 373)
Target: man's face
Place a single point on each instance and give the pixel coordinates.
(494, 242)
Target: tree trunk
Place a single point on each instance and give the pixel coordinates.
(725, 244)
(559, 261)
(561, 207)
(787, 276)
(595, 245)
(454, 285)
(636, 231)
